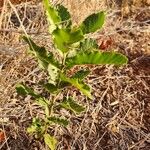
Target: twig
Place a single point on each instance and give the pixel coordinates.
(21, 31)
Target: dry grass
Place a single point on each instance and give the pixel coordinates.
(119, 116)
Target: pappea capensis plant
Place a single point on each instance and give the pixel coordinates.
(74, 48)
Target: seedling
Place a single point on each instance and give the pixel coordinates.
(74, 49)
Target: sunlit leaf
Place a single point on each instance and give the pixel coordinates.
(97, 58)
(72, 53)
(93, 22)
(71, 105)
(58, 120)
(53, 73)
(63, 38)
(32, 129)
(52, 15)
(50, 141)
(24, 90)
(44, 103)
(84, 88)
(36, 126)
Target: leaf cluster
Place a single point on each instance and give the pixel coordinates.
(74, 49)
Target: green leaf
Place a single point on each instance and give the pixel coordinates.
(64, 15)
(50, 141)
(21, 89)
(58, 120)
(50, 88)
(93, 22)
(72, 52)
(24, 90)
(63, 84)
(41, 54)
(88, 45)
(44, 103)
(81, 74)
(63, 38)
(36, 126)
(83, 46)
(46, 60)
(52, 15)
(53, 89)
(53, 73)
(70, 104)
(97, 58)
(32, 129)
(84, 88)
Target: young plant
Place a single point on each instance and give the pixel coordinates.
(74, 49)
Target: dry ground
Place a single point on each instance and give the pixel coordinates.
(119, 116)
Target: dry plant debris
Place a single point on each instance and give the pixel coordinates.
(119, 116)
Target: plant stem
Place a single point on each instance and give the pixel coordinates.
(52, 103)
(54, 97)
